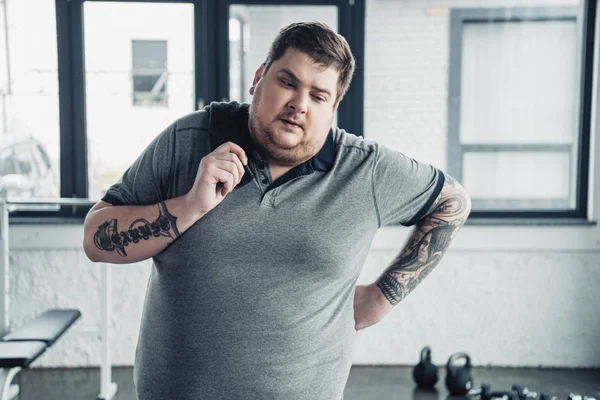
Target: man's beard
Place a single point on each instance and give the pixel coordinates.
(264, 135)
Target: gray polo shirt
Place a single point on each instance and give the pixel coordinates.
(255, 300)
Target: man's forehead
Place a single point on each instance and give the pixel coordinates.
(304, 68)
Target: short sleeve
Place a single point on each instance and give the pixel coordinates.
(404, 188)
(146, 180)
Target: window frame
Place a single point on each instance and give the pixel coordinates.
(73, 147)
(455, 150)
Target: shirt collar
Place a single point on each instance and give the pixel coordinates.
(323, 160)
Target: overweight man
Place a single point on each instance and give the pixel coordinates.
(258, 219)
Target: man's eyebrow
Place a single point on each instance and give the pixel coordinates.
(296, 80)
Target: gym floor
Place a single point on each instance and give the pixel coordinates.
(364, 383)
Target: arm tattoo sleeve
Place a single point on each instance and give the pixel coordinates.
(427, 244)
(109, 238)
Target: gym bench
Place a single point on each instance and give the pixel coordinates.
(18, 349)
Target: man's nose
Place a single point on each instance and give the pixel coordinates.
(299, 102)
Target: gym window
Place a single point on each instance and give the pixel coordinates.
(519, 110)
(109, 75)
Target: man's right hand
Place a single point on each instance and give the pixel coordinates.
(218, 174)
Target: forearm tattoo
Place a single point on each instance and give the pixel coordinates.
(427, 244)
(109, 238)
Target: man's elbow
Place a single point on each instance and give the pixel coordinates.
(90, 249)
(89, 245)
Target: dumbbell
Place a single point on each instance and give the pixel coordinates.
(524, 393)
(485, 393)
(573, 396)
(425, 372)
(546, 396)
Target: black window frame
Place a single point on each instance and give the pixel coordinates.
(211, 83)
(455, 149)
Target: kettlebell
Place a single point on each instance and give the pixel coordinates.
(425, 373)
(458, 379)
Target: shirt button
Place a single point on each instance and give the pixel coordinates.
(265, 181)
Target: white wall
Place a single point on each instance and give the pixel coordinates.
(508, 295)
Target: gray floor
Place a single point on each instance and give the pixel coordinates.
(364, 383)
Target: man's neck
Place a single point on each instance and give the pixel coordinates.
(278, 171)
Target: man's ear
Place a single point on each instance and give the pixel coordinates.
(257, 76)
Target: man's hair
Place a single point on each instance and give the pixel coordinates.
(319, 42)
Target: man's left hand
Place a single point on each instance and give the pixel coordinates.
(370, 306)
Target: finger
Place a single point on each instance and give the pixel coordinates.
(226, 178)
(228, 186)
(230, 167)
(233, 158)
(233, 148)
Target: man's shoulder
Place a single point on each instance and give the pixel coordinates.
(188, 131)
(194, 121)
(186, 134)
(349, 142)
(218, 121)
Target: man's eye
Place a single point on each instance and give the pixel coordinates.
(287, 83)
(319, 98)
